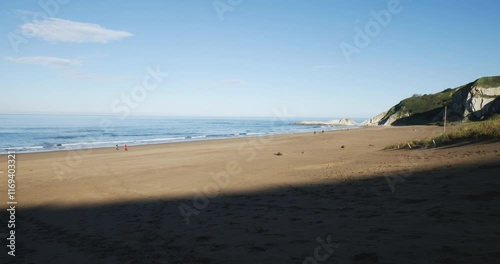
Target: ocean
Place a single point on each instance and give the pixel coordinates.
(34, 133)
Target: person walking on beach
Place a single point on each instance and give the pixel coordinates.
(125, 147)
(116, 147)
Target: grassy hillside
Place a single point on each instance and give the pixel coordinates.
(420, 109)
(426, 102)
(489, 82)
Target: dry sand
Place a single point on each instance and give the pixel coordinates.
(235, 201)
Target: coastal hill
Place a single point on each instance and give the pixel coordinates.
(474, 101)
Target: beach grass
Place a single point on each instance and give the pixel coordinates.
(472, 132)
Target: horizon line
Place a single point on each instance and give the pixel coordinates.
(176, 116)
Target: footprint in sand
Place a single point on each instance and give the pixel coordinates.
(257, 248)
(203, 238)
(217, 247)
(365, 258)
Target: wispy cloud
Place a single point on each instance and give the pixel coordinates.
(24, 12)
(60, 30)
(45, 61)
(90, 76)
(232, 81)
(62, 66)
(325, 66)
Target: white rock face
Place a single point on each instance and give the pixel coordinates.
(479, 100)
(374, 121)
(392, 119)
(334, 122)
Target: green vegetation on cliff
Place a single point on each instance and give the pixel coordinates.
(489, 82)
(420, 109)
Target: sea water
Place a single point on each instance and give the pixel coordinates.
(33, 133)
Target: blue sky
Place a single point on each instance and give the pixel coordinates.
(240, 58)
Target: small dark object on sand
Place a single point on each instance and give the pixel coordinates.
(371, 145)
(342, 146)
(278, 154)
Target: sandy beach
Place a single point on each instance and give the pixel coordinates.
(336, 197)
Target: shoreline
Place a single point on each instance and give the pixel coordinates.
(32, 134)
(186, 140)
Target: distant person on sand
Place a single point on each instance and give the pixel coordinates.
(125, 147)
(116, 147)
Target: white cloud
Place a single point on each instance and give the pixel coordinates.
(45, 61)
(60, 30)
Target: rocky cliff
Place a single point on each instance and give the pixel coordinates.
(477, 100)
(335, 122)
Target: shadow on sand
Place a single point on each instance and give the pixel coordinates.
(440, 216)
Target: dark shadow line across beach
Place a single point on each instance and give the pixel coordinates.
(436, 216)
